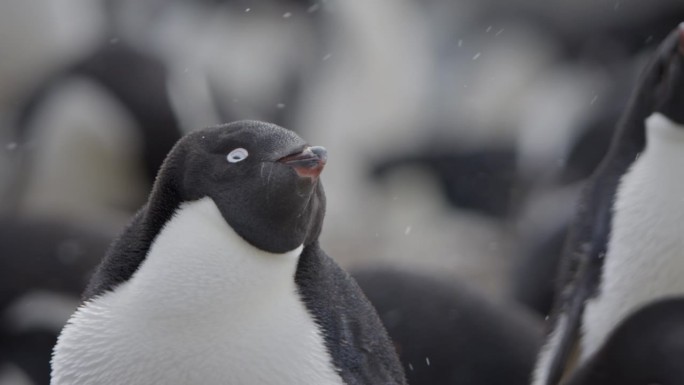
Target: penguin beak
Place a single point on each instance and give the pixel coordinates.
(309, 162)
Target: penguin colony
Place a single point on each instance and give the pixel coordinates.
(220, 278)
(302, 320)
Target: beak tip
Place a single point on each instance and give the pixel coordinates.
(308, 163)
(680, 31)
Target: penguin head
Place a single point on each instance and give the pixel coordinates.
(663, 80)
(263, 179)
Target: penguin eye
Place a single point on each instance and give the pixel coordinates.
(237, 155)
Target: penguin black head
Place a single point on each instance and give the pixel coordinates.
(262, 177)
(663, 81)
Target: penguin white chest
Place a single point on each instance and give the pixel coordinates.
(645, 255)
(205, 307)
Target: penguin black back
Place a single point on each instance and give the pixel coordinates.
(447, 333)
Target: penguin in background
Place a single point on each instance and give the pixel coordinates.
(482, 181)
(91, 137)
(624, 249)
(44, 267)
(447, 333)
(220, 278)
(644, 349)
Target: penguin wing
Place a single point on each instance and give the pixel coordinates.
(354, 335)
(580, 271)
(124, 256)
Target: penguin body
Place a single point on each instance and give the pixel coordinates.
(192, 306)
(91, 138)
(220, 279)
(625, 247)
(645, 255)
(646, 348)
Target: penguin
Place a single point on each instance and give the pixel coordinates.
(110, 109)
(448, 333)
(220, 278)
(644, 349)
(624, 248)
(478, 180)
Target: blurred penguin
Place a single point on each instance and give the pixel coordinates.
(447, 333)
(44, 267)
(623, 250)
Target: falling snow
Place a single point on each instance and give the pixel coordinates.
(287, 15)
(477, 55)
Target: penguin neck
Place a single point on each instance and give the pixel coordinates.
(198, 263)
(645, 254)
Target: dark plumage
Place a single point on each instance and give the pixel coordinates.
(359, 349)
(483, 181)
(40, 256)
(446, 333)
(49, 255)
(645, 349)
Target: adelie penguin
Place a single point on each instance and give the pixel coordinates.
(626, 248)
(220, 279)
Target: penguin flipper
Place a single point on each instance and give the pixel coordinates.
(356, 338)
(578, 277)
(124, 256)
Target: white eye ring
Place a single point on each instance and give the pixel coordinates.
(237, 155)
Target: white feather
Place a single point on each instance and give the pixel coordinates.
(645, 257)
(543, 367)
(205, 307)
